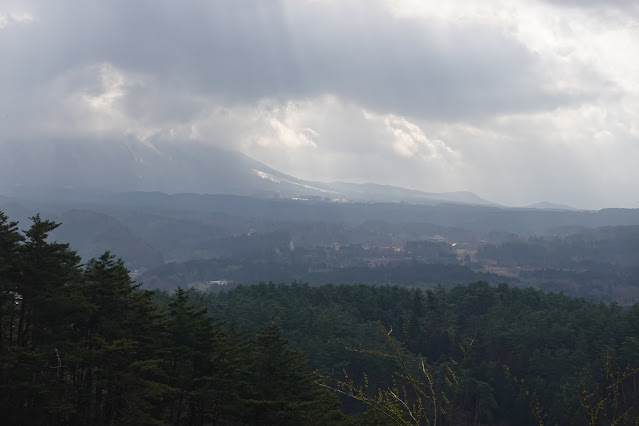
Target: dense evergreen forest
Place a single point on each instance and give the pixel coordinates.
(85, 344)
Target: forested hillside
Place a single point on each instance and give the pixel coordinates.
(84, 344)
(546, 338)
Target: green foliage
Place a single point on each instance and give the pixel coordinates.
(84, 344)
(541, 337)
(415, 397)
(602, 395)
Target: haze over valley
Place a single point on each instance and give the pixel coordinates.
(356, 212)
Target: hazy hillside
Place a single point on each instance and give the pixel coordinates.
(92, 233)
(189, 239)
(46, 168)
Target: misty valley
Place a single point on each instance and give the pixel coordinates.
(244, 310)
(319, 212)
(204, 241)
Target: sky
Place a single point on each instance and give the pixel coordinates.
(517, 101)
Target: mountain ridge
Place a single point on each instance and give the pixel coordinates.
(174, 168)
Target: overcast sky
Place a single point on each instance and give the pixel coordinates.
(517, 101)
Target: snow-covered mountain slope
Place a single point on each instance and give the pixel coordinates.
(170, 167)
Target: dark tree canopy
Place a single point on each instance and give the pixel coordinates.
(85, 344)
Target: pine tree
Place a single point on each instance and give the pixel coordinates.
(121, 379)
(10, 239)
(207, 366)
(44, 289)
(284, 388)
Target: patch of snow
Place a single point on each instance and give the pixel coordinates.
(266, 176)
(275, 179)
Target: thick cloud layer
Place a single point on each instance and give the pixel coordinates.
(518, 102)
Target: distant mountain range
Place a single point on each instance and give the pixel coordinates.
(547, 205)
(170, 167)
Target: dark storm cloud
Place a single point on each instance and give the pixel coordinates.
(477, 96)
(244, 51)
